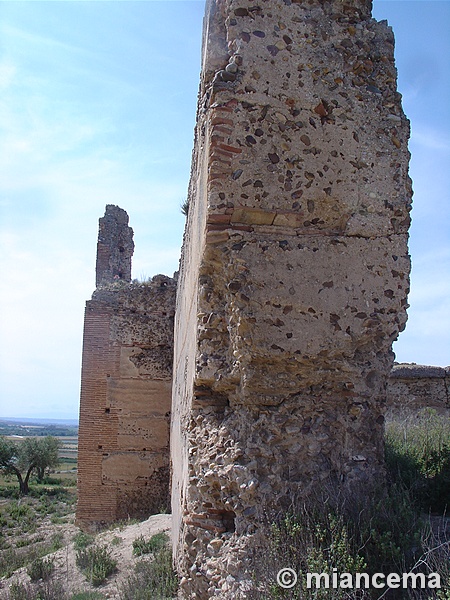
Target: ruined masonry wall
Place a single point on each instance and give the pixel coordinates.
(413, 387)
(125, 403)
(115, 247)
(294, 274)
(126, 382)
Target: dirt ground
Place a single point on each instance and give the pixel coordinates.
(119, 541)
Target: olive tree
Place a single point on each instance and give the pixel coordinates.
(21, 458)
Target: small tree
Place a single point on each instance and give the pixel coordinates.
(47, 455)
(22, 458)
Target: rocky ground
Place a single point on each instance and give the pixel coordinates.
(119, 542)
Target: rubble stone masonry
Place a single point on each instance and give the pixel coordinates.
(123, 447)
(412, 387)
(294, 274)
(128, 330)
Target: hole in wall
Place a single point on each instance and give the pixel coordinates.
(228, 519)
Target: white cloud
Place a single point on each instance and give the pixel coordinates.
(430, 138)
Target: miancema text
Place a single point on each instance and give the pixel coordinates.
(377, 580)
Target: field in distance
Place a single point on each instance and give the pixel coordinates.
(65, 430)
(38, 427)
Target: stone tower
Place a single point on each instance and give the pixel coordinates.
(115, 247)
(126, 382)
(294, 274)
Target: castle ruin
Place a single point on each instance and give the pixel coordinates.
(293, 285)
(126, 382)
(294, 274)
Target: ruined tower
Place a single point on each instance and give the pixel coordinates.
(115, 247)
(294, 274)
(123, 442)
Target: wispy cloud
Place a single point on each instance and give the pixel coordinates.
(103, 112)
(429, 138)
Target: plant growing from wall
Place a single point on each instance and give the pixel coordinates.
(184, 207)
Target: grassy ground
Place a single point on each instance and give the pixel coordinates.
(43, 556)
(400, 528)
(29, 525)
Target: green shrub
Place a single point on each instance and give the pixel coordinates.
(24, 542)
(21, 591)
(313, 539)
(87, 596)
(9, 491)
(10, 561)
(19, 511)
(56, 542)
(95, 563)
(21, 516)
(47, 480)
(122, 523)
(155, 543)
(378, 532)
(40, 569)
(82, 540)
(418, 455)
(51, 590)
(390, 530)
(436, 553)
(48, 590)
(152, 580)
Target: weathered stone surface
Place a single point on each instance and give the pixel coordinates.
(294, 274)
(412, 387)
(115, 247)
(414, 371)
(123, 458)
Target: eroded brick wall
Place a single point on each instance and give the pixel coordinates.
(100, 358)
(126, 381)
(294, 274)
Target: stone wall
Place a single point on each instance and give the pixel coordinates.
(123, 447)
(115, 247)
(294, 274)
(127, 365)
(413, 387)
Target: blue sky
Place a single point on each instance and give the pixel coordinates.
(97, 106)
